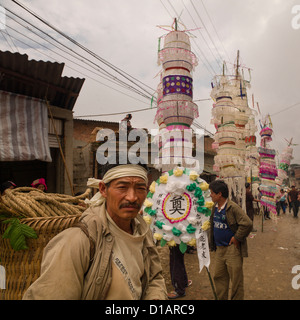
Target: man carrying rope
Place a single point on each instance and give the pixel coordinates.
(112, 255)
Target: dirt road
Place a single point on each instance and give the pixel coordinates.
(273, 253)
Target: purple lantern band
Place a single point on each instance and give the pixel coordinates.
(178, 84)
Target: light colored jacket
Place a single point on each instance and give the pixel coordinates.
(66, 273)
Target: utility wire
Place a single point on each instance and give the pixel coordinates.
(95, 56)
(215, 30)
(72, 61)
(213, 71)
(206, 31)
(202, 37)
(116, 69)
(200, 126)
(85, 75)
(113, 114)
(292, 106)
(99, 69)
(177, 15)
(5, 39)
(65, 58)
(125, 112)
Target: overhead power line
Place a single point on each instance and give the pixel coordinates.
(73, 54)
(114, 113)
(125, 112)
(96, 56)
(207, 61)
(212, 41)
(215, 29)
(67, 66)
(136, 86)
(292, 106)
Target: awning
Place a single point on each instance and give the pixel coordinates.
(23, 128)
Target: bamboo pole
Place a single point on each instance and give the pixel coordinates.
(212, 284)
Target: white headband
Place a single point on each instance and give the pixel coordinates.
(126, 170)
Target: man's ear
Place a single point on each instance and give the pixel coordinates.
(219, 194)
(102, 189)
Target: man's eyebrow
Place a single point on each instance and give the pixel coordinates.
(129, 182)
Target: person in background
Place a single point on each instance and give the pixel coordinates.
(229, 229)
(39, 184)
(293, 199)
(178, 273)
(260, 207)
(278, 206)
(125, 123)
(282, 201)
(289, 205)
(6, 185)
(249, 203)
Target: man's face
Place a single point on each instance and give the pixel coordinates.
(215, 197)
(41, 187)
(124, 197)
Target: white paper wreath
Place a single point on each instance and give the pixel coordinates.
(178, 208)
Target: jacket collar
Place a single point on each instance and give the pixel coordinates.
(223, 206)
(229, 204)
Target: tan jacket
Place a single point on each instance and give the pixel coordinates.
(239, 223)
(65, 271)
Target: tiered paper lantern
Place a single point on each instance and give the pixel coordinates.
(242, 117)
(178, 61)
(224, 113)
(230, 114)
(267, 170)
(178, 206)
(176, 109)
(284, 163)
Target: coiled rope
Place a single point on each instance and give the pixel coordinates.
(30, 202)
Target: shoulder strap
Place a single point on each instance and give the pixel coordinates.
(84, 228)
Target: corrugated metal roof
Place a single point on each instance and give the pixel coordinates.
(39, 79)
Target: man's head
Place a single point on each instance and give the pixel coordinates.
(247, 185)
(125, 188)
(218, 190)
(39, 184)
(7, 185)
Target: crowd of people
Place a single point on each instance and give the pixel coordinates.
(115, 256)
(288, 199)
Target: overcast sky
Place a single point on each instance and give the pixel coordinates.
(125, 33)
